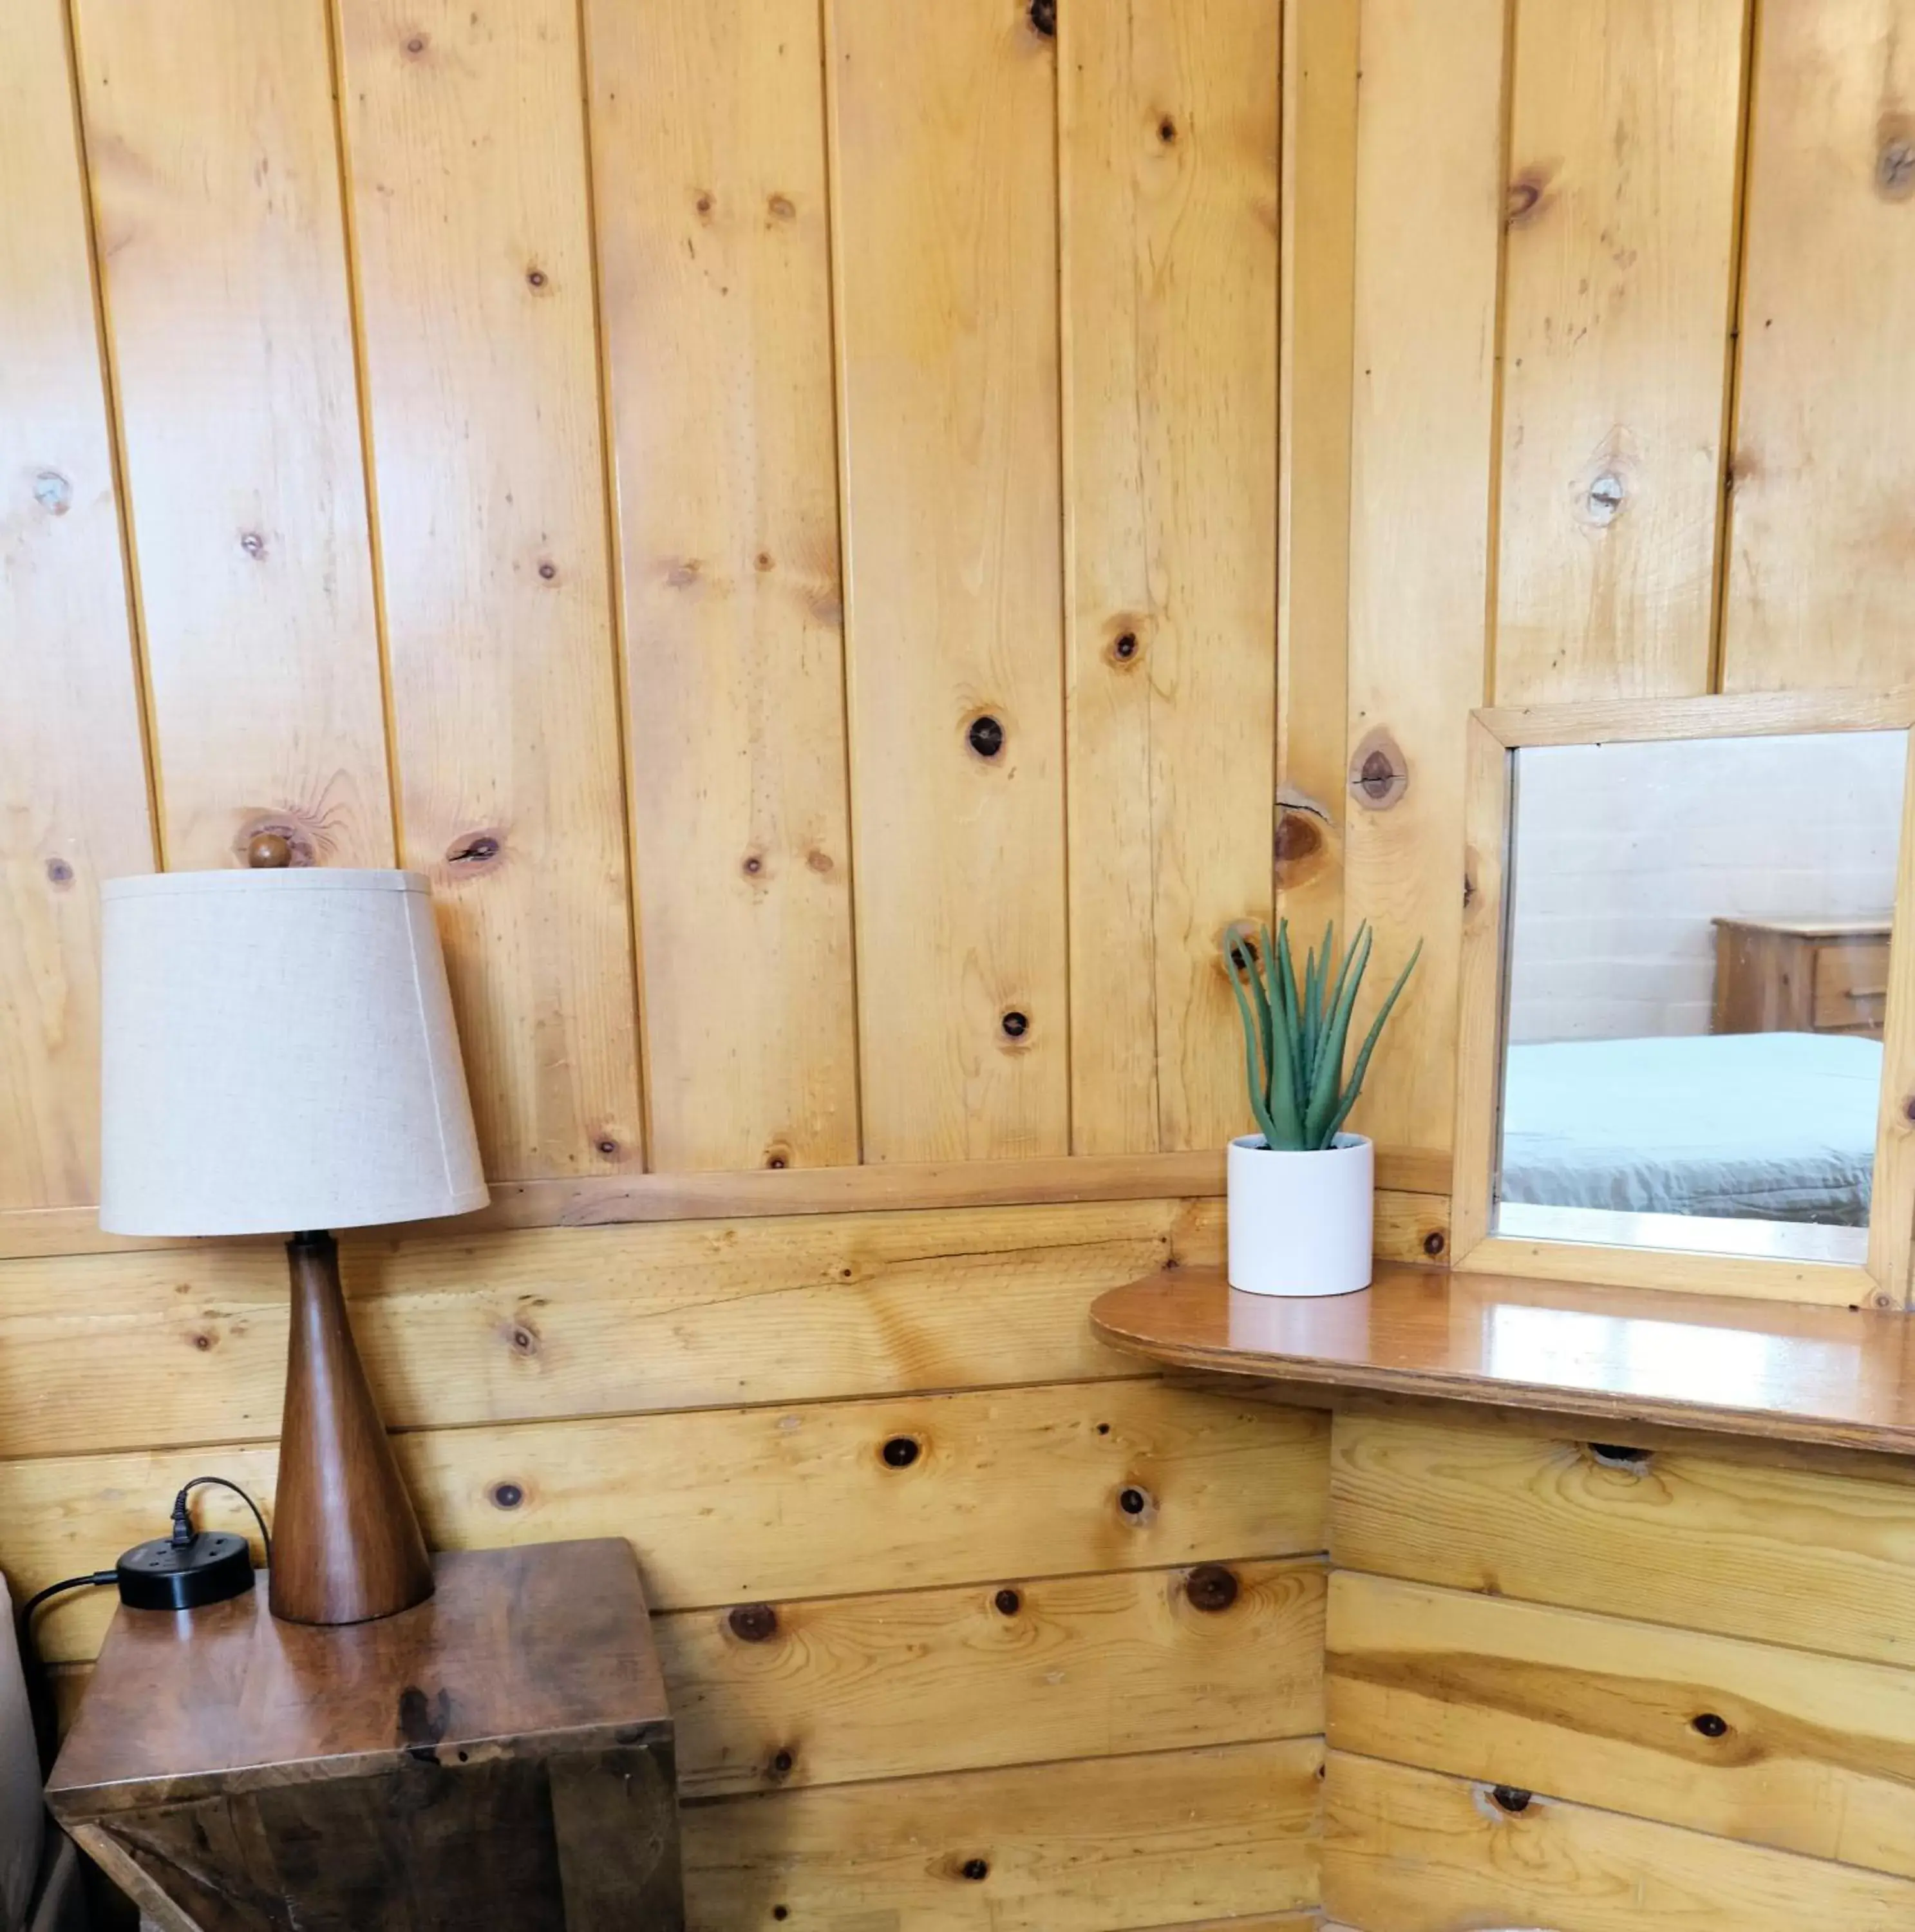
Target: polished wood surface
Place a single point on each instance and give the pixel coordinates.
(498, 1759)
(348, 1545)
(513, 1645)
(1792, 1374)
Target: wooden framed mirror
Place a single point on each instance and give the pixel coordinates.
(1687, 1025)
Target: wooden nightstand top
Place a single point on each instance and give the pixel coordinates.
(1806, 926)
(518, 1652)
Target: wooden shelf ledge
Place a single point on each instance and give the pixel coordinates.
(1789, 1373)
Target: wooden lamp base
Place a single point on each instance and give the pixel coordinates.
(346, 1546)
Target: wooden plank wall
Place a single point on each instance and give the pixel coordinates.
(615, 461)
(1630, 419)
(609, 458)
(1599, 1686)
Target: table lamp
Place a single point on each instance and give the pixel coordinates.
(278, 1056)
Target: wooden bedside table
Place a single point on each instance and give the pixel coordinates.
(1787, 975)
(498, 1759)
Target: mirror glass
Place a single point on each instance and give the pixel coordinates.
(1697, 976)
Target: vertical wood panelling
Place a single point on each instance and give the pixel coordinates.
(1170, 170)
(72, 780)
(707, 135)
(1625, 124)
(468, 178)
(1428, 211)
(1821, 577)
(1313, 415)
(216, 180)
(944, 127)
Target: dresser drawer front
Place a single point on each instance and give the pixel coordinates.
(1702, 1538)
(1851, 985)
(1759, 1742)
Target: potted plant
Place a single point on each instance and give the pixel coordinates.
(1302, 1191)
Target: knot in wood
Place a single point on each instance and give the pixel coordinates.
(1211, 1587)
(1016, 1025)
(1434, 1242)
(899, 1452)
(58, 872)
(986, 737)
(1895, 168)
(1379, 772)
(1513, 1798)
(1604, 503)
(1619, 1455)
(1007, 1602)
(975, 1870)
(507, 1495)
(753, 1623)
(1043, 18)
(1710, 1725)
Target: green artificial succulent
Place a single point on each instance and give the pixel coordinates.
(1294, 1036)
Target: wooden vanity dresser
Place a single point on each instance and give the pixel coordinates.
(1621, 1609)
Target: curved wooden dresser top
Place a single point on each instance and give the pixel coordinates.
(1783, 1372)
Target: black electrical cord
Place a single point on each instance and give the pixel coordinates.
(183, 1524)
(34, 1602)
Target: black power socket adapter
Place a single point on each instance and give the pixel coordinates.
(167, 1574)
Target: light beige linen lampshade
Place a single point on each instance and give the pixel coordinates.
(278, 1054)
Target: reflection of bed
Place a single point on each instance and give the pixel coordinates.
(1774, 1126)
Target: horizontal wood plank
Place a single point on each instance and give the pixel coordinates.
(1013, 1672)
(1706, 1541)
(556, 1322)
(1408, 1851)
(1771, 1746)
(1124, 1842)
(578, 1321)
(730, 1506)
(1402, 1174)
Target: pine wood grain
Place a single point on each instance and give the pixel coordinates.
(1406, 1851)
(743, 1505)
(185, 1346)
(1773, 1373)
(1317, 323)
(943, 131)
(1068, 1667)
(1625, 138)
(1703, 1540)
(1775, 1747)
(1414, 1184)
(1168, 156)
(72, 778)
(708, 150)
(1428, 215)
(1120, 1843)
(468, 183)
(215, 181)
(1821, 558)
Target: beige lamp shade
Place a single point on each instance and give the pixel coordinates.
(278, 1054)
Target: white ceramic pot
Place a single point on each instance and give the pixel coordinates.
(1300, 1223)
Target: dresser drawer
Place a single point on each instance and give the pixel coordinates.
(1709, 1538)
(1851, 985)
